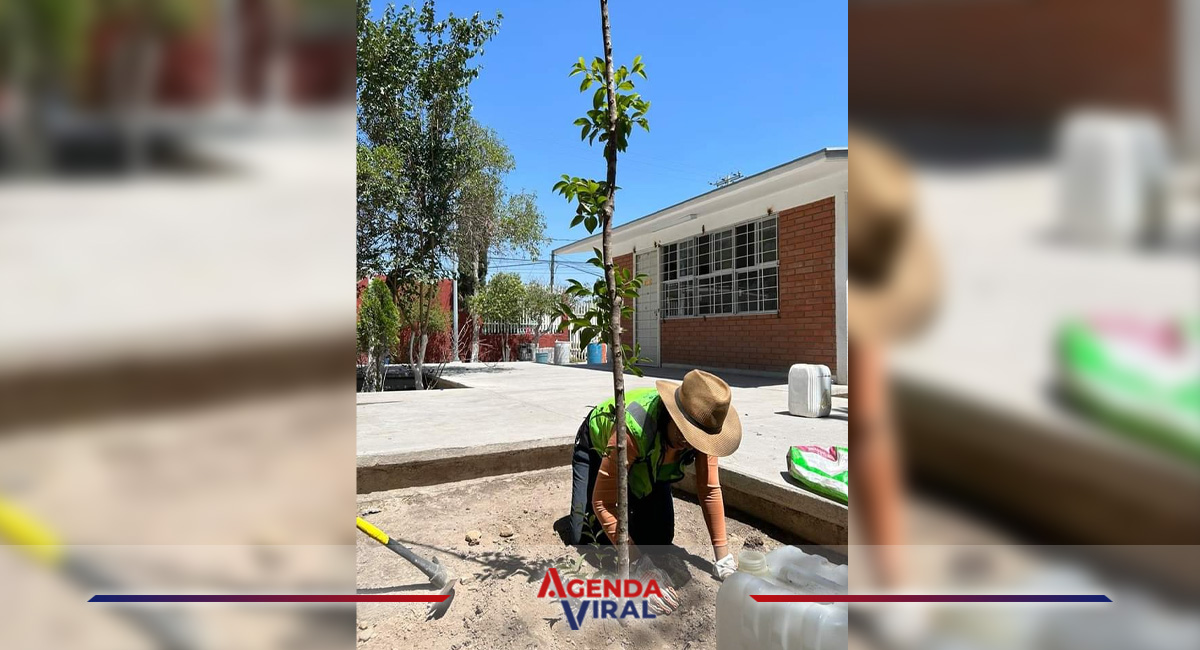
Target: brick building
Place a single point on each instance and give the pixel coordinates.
(1025, 62)
(748, 276)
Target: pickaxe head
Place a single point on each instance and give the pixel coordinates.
(438, 610)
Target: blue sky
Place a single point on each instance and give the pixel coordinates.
(734, 86)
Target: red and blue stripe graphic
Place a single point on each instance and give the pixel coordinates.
(437, 598)
(936, 598)
(268, 598)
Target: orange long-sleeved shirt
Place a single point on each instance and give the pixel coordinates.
(708, 488)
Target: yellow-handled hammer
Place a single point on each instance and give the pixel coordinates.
(437, 574)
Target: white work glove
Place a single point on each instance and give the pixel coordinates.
(725, 567)
(644, 570)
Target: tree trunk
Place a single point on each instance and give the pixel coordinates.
(412, 360)
(420, 373)
(618, 366)
(418, 360)
(368, 385)
(418, 366)
(374, 374)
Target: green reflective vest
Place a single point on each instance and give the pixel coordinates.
(646, 419)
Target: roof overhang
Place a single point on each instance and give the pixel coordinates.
(809, 178)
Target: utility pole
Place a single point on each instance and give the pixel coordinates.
(454, 312)
(552, 270)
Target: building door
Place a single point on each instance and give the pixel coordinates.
(645, 308)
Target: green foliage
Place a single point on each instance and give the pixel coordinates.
(421, 311)
(541, 299)
(413, 109)
(590, 197)
(595, 322)
(631, 108)
(522, 226)
(489, 218)
(603, 555)
(501, 299)
(378, 318)
(52, 38)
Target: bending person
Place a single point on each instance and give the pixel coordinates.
(669, 427)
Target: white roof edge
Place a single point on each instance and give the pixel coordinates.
(592, 241)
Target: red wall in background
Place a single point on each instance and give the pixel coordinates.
(440, 345)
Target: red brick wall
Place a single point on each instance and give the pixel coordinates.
(1009, 60)
(804, 330)
(625, 262)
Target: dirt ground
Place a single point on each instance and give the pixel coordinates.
(496, 604)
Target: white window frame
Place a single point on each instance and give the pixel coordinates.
(686, 283)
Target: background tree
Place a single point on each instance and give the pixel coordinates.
(422, 316)
(490, 220)
(542, 303)
(501, 300)
(615, 110)
(378, 326)
(413, 110)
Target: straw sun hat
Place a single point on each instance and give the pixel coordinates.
(892, 266)
(700, 408)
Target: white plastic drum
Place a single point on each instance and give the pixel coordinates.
(562, 353)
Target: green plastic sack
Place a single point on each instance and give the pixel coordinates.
(1139, 379)
(824, 470)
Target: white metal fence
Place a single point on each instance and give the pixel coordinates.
(548, 325)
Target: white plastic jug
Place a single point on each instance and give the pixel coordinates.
(744, 624)
(1113, 173)
(810, 390)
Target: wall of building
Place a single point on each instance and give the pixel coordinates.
(804, 330)
(1009, 60)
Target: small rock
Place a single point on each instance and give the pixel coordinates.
(478, 610)
(364, 635)
(369, 511)
(474, 537)
(515, 610)
(507, 531)
(362, 626)
(754, 540)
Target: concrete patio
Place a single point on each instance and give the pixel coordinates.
(514, 417)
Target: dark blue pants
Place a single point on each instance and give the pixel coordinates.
(651, 518)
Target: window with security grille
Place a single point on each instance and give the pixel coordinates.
(714, 294)
(731, 271)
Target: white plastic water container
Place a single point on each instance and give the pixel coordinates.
(562, 353)
(1113, 173)
(810, 390)
(744, 624)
